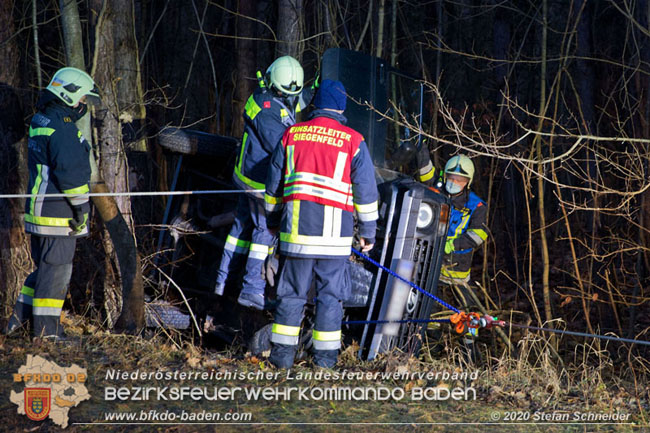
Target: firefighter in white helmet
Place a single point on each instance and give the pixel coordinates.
(467, 230)
(267, 114)
(58, 163)
(466, 233)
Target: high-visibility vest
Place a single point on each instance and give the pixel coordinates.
(458, 226)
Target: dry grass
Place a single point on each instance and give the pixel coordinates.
(591, 380)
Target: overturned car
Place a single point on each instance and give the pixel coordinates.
(412, 224)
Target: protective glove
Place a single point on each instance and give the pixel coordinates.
(78, 221)
(449, 246)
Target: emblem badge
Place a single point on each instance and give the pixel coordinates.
(37, 403)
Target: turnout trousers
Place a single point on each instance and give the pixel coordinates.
(331, 291)
(248, 237)
(43, 293)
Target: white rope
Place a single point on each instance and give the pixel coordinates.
(135, 194)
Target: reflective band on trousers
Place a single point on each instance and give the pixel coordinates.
(26, 295)
(456, 275)
(285, 334)
(326, 340)
(47, 306)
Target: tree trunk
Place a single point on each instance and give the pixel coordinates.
(116, 213)
(127, 74)
(37, 55)
(380, 28)
(393, 35)
(290, 28)
(585, 83)
(74, 50)
(329, 27)
(540, 180)
(14, 248)
(246, 64)
(501, 37)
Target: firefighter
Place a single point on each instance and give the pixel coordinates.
(320, 174)
(466, 233)
(268, 112)
(58, 162)
(468, 215)
(466, 224)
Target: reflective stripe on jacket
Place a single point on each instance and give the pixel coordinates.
(320, 175)
(467, 230)
(266, 117)
(58, 163)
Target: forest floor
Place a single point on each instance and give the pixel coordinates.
(528, 393)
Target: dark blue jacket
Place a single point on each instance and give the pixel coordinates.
(467, 231)
(58, 163)
(266, 116)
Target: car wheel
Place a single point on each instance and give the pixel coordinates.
(191, 142)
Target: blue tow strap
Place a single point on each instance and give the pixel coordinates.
(446, 305)
(415, 286)
(365, 322)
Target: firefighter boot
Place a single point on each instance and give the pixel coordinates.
(252, 300)
(325, 358)
(282, 355)
(15, 325)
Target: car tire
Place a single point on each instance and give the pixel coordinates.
(192, 142)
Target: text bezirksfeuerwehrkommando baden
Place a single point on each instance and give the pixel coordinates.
(178, 387)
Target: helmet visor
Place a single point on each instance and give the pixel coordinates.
(92, 97)
(291, 88)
